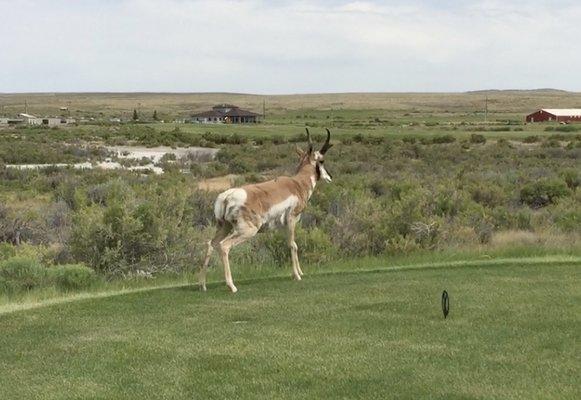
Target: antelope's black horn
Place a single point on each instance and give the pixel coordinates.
(309, 140)
(327, 145)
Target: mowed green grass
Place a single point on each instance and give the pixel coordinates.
(513, 332)
(396, 132)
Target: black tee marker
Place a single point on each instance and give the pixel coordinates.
(445, 303)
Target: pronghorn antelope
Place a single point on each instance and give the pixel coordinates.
(242, 212)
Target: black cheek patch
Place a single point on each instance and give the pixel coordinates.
(318, 171)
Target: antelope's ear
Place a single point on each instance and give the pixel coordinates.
(300, 152)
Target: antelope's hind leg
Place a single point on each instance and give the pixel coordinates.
(221, 233)
(240, 234)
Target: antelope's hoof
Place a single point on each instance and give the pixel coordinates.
(203, 287)
(297, 277)
(233, 289)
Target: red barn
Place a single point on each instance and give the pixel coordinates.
(555, 114)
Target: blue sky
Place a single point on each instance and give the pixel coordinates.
(288, 47)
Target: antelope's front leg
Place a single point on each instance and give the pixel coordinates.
(297, 273)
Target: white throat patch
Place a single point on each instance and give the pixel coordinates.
(324, 174)
(313, 184)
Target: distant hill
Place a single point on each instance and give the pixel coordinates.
(520, 91)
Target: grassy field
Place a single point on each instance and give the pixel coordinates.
(175, 104)
(378, 334)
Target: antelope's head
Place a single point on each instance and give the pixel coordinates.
(316, 158)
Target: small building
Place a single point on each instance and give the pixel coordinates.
(226, 114)
(564, 115)
(30, 119)
(46, 121)
(11, 121)
(55, 121)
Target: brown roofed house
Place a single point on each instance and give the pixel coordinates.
(226, 113)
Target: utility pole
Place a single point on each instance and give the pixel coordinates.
(263, 109)
(486, 110)
(25, 107)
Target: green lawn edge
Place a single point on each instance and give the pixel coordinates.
(493, 262)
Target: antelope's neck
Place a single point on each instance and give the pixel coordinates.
(307, 177)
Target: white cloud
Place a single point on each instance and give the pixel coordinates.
(286, 47)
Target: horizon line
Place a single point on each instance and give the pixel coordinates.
(474, 91)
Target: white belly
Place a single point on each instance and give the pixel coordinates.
(276, 216)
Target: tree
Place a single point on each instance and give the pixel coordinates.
(135, 116)
(155, 115)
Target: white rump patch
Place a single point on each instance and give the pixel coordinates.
(228, 204)
(277, 214)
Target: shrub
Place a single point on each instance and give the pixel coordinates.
(426, 235)
(572, 178)
(441, 139)
(503, 143)
(166, 157)
(487, 194)
(558, 136)
(373, 140)
(275, 247)
(448, 202)
(72, 276)
(567, 128)
(523, 219)
(14, 225)
(543, 192)
(476, 138)
(484, 230)
(378, 188)
(239, 166)
(154, 234)
(315, 246)
(569, 221)
(551, 143)
(531, 139)
(6, 251)
(499, 129)
(21, 273)
(346, 140)
(68, 191)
